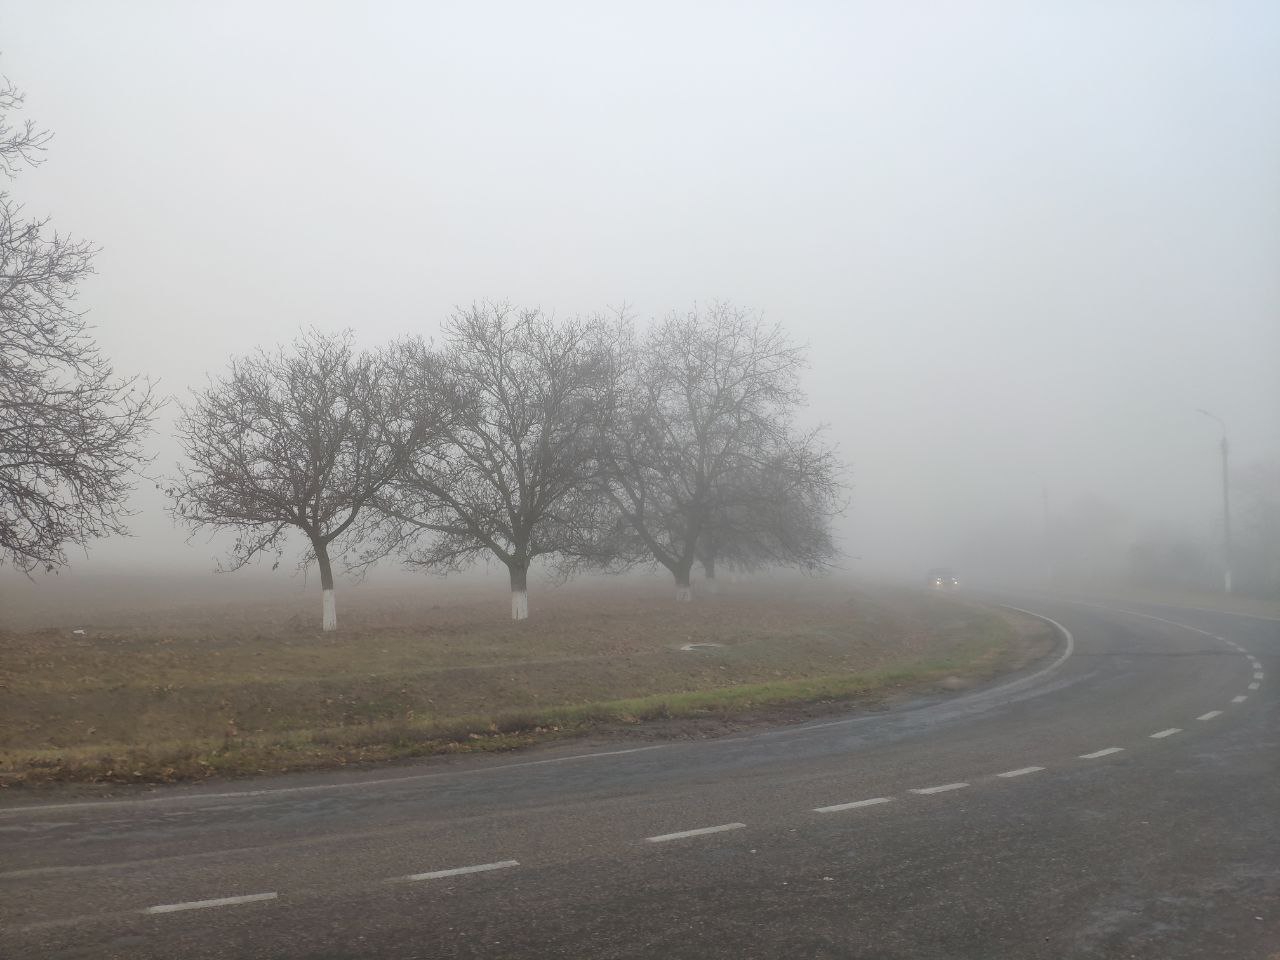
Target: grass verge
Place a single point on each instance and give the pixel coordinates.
(768, 672)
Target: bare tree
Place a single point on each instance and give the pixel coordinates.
(299, 438)
(704, 394)
(510, 479)
(776, 509)
(71, 431)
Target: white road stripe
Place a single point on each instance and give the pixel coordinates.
(1257, 674)
(204, 904)
(837, 807)
(941, 789)
(1240, 699)
(1254, 685)
(1210, 715)
(1161, 734)
(459, 871)
(1106, 752)
(663, 837)
(1021, 771)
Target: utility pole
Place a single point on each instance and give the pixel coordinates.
(1226, 505)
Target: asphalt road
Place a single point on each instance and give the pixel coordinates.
(1122, 800)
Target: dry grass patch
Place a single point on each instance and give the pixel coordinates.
(197, 694)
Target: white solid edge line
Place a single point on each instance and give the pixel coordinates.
(837, 807)
(1254, 685)
(1009, 685)
(204, 904)
(939, 789)
(36, 810)
(1161, 734)
(1067, 635)
(459, 871)
(1104, 752)
(1210, 715)
(1020, 772)
(663, 837)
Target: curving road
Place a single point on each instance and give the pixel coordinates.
(1122, 800)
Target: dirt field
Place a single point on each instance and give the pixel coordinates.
(175, 689)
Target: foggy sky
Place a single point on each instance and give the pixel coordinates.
(1024, 241)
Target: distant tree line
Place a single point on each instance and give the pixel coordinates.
(1190, 562)
(581, 441)
(518, 437)
(585, 442)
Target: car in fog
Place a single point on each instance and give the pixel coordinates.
(942, 578)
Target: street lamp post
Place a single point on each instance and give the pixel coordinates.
(1226, 505)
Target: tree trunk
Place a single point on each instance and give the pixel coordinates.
(519, 591)
(709, 570)
(684, 589)
(329, 619)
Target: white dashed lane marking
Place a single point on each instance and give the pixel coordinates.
(701, 831)
(206, 904)
(837, 807)
(1255, 665)
(460, 871)
(939, 789)
(1105, 752)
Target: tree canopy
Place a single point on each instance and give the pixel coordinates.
(71, 430)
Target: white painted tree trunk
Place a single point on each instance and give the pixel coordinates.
(330, 621)
(519, 590)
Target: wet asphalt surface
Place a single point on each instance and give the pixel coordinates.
(1168, 847)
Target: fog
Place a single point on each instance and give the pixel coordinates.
(1024, 242)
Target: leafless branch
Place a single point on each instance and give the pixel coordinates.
(296, 438)
(71, 431)
(510, 475)
(701, 456)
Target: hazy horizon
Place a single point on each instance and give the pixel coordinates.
(1024, 243)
